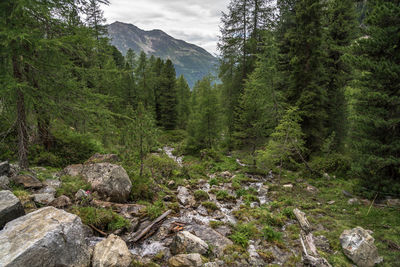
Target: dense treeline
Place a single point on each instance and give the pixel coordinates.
(306, 85)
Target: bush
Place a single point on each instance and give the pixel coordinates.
(333, 163)
(143, 188)
(155, 210)
(161, 167)
(201, 195)
(172, 136)
(270, 234)
(71, 184)
(104, 219)
(243, 233)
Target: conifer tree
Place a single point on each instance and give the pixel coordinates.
(376, 122)
(183, 95)
(168, 97)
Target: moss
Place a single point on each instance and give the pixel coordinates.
(210, 206)
(201, 195)
(71, 184)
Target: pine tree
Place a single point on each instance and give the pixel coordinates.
(95, 17)
(376, 122)
(183, 108)
(168, 97)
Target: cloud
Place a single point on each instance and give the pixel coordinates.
(194, 21)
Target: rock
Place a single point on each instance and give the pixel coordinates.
(254, 258)
(353, 201)
(171, 183)
(4, 182)
(44, 198)
(10, 207)
(81, 194)
(52, 183)
(185, 242)
(312, 189)
(358, 245)
(61, 202)
(109, 180)
(226, 174)
(393, 202)
(331, 202)
(4, 168)
(47, 190)
(27, 181)
(347, 194)
(365, 202)
(288, 186)
(45, 237)
(210, 236)
(211, 264)
(186, 260)
(111, 252)
(103, 158)
(185, 197)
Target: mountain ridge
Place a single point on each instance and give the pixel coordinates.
(190, 60)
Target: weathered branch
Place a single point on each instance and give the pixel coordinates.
(304, 224)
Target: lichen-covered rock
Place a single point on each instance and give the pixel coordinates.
(358, 245)
(102, 158)
(46, 237)
(10, 207)
(111, 252)
(80, 194)
(43, 198)
(27, 181)
(61, 202)
(185, 197)
(4, 168)
(186, 260)
(73, 170)
(4, 183)
(52, 183)
(185, 242)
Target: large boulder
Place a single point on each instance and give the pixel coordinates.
(185, 197)
(28, 181)
(185, 242)
(186, 260)
(102, 158)
(4, 168)
(10, 207)
(111, 252)
(46, 237)
(109, 180)
(358, 245)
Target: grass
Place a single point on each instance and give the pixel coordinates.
(155, 210)
(201, 195)
(270, 234)
(210, 206)
(71, 184)
(223, 195)
(243, 233)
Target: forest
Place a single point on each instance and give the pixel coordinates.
(307, 92)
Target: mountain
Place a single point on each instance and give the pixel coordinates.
(190, 60)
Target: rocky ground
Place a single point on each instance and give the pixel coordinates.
(230, 217)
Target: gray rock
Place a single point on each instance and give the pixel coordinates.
(185, 242)
(47, 190)
(211, 264)
(4, 182)
(109, 180)
(4, 168)
(27, 181)
(186, 260)
(111, 252)
(43, 198)
(61, 202)
(53, 183)
(353, 201)
(358, 245)
(81, 194)
(185, 197)
(46, 237)
(10, 207)
(73, 170)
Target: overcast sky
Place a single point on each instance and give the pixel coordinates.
(194, 21)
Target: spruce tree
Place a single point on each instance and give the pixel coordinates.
(376, 122)
(168, 97)
(183, 108)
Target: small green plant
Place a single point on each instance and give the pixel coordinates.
(223, 195)
(210, 206)
(288, 212)
(213, 181)
(155, 210)
(104, 219)
(71, 184)
(270, 234)
(216, 224)
(243, 233)
(201, 195)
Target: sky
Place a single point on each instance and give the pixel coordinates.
(194, 21)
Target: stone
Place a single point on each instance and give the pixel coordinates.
(10, 207)
(171, 183)
(44, 198)
(393, 202)
(254, 258)
(226, 174)
(103, 158)
(45, 237)
(110, 181)
(210, 236)
(111, 252)
(14, 170)
(353, 201)
(80, 194)
(47, 190)
(4, 168)
(186, 260)
(185, 242)
(358, 245)
(27, 181)
(61, 202)
(312, 189)
(288, 186)
(331, 202)
(185, 197)
(53, 183)
(4, 182)
(211, 264)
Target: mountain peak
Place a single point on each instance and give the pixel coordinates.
(190, 60)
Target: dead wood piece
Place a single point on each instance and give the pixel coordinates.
(301, 217)
(97, 230)
(310, 254)
(149, 230)
(134, 209)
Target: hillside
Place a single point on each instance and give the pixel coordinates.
(190, 60)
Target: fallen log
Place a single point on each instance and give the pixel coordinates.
(301, 217)
(149, 230)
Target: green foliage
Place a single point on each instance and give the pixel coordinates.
(210, 206)
(270, 234)
(168, 97)
(143, 188)
(104, 219)
(183, 97)
(243, 233)
(161, 167)
(201, 195)
(71, 184)
(223, 195)
(156, 209)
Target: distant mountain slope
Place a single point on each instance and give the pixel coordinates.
(190, 60)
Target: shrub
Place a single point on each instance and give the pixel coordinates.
(270, 234)
(201, 195)
(155, 210)
(223, 195)
(210, 206)
(104, 219)
(213, 181)
(243, 233)
(161, 167)
(143, 188)
(71, 184)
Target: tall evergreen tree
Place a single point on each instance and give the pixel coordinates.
(376, 124)
(183, 108)
(168, 97)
